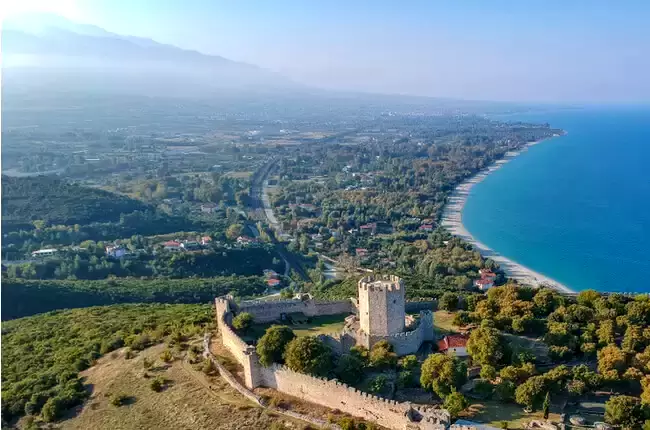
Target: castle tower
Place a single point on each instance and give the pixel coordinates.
(381, 305)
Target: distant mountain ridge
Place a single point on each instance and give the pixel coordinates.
(49, 42)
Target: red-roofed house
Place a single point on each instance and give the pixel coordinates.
(484, 284)
(272, 282)
(206, 240)
(426, 227)
(487, 274)
(361, 252)
(453, 345)
(172, 245)
(371, 228)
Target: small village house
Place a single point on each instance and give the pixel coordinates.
(172, 246)
(115, 251)
(484, 284)
(453, 345)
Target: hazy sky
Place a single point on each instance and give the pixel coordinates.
(544, 50)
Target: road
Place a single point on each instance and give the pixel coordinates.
(264, 213)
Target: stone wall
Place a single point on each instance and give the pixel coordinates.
(410, 341)
(404, 343)
(264, 312)
(329, 393)
(336, 395)
(421, 305)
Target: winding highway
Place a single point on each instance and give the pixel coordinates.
(261, 210)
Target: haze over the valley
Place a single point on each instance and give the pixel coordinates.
(548, 51)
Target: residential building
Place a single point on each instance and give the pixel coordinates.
(46, 252)
(206, 240)
(190, 245)
(361, 252)
(208, 208)
(172, 246)
(484, 284)
(115, 251)
(487, 274)
(453, 345)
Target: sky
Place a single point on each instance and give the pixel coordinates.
(520, 50)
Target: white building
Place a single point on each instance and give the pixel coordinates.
(46, 252)
(115, 251)
(453, 345)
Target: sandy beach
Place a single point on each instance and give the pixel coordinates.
(452, 220)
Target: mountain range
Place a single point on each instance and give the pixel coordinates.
(48, 50)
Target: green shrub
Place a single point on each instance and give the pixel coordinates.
(158, 384)
(118, 400)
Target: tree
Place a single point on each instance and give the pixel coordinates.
(377, 384)
(544, 301)
(505, 390)
(382, 355)
(488, 372)
(455, 403)
(408, 362)
(588, 298)
(486, 346)
(234, 231)
(308, 355)
(576, 388)
(242, 322)
(529, 393)
(449, 301)
(349, 369)
(633, 339)
(546, 405)
(611, 358)
(462, 318)
(606, 333)
(442, 374)
(52, 409)
(645, 394)
(273, 343)
(625, 411)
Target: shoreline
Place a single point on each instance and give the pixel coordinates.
(452, 221)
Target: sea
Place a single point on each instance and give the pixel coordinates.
(575, 208)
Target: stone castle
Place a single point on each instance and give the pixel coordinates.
(379, 313)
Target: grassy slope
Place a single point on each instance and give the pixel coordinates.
(192, 400)
(38, 350)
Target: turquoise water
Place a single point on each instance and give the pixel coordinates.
(575, 208)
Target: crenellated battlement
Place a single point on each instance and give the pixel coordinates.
(382, 283)
(339, 395)
(380, 310)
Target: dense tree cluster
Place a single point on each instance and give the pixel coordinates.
(55, 201)
(23, 298)
(216, 261)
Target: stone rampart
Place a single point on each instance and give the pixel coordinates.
(329, 393)
(404, 343)
(264, 312)
(337, 395)
(421, 305)
(229, 338)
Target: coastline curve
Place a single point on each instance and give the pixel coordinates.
(452, 221)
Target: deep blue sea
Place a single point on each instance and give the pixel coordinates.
(575, 208)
